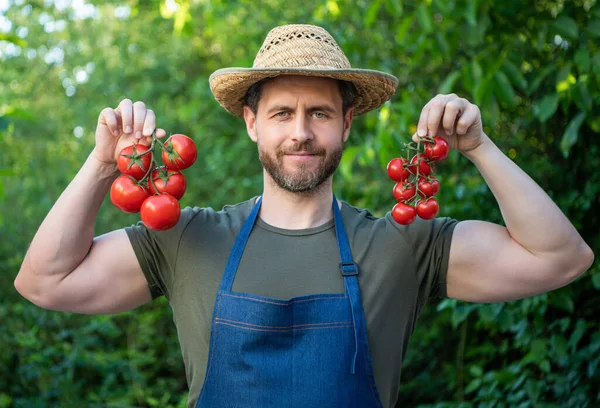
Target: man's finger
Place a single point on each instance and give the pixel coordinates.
(149, 123)
(139, 116)
(469, 117)
(422, 125)
(108, 118)
(438, 106)
(126, 111)
(452, 112)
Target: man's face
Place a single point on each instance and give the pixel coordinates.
(300, 130)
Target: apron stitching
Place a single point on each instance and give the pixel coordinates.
(371, 376)
(212, 352)
(283, 302)
(283, 330)
(281, 327)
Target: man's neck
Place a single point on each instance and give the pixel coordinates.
(287, 210)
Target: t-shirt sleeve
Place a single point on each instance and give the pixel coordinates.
(157, 251)
(431, 244)
(430, 241)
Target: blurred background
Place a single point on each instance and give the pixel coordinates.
(533, 67)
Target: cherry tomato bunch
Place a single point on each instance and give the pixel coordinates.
(150, 189)
(416, 184)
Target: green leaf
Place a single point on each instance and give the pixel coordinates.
(394, 7)
(591, 370)
(515, 75)
(403, 29)
(471, 12)
(596, 64)
(593, 29)
(372, 13)
(482, 91)
(476, 70)
(534, 389)
(545, 108)
(564, 72)
(582, 60)
(560, 346)
(539, 349)
(447, 304)
(15, 113)
(540, 77)
(571, 134)
(473, 385)
(476, 371)
(580, 329)
(503, 89)
(447, 85)
(443, 44)
(11, 38)
(562, 300)
(7, 172)
(566, 27)
(347, 160)
(581, 96)
(596, 281)
(424, 18)
(505, 320)
(460, 313)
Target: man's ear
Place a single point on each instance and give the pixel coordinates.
(348, 122)
(250, 119)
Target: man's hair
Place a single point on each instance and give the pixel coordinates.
(347, 90)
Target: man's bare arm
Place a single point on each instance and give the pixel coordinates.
(538, 250)
(66, 268)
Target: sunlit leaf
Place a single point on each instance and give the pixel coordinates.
(571, 134)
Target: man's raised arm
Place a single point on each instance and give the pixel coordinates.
(66, 268)
(539, 249)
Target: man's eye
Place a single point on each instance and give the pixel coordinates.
(321, 115)
(281, 114)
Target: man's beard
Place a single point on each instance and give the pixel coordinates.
(302, 179)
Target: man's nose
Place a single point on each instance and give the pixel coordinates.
(302, 131)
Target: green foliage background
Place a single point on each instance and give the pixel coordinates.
(533, 67)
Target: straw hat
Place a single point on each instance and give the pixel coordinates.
(300, 49)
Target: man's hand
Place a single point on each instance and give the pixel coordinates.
(121, 127)
(453, 118)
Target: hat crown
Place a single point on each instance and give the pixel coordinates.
(300, 46)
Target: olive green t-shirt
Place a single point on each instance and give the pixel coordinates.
(400, 268)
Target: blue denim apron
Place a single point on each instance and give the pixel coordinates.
(309, 351)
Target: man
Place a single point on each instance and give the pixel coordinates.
(295, 298)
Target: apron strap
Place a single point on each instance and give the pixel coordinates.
(349, 270)
(238, 249)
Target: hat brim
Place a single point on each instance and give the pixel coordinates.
(373, 88)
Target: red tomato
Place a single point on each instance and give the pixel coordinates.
(167, 181)
(438, 150)
(424, 168)
(160, 212)
(404, 191)
(132, 163)
(428, 188)
(436, 186)
(396, 169)
(180, 152)
(428, 209)
(403, 213)
(127, 195)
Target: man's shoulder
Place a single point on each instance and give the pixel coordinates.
(229, 214)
